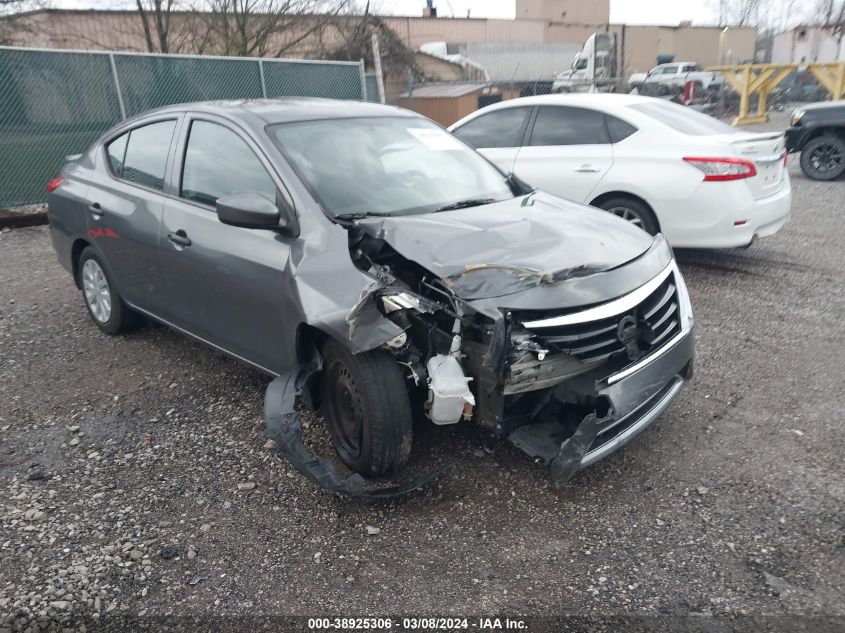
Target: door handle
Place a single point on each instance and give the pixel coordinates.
(180, 238)
(587, 169)
(95, 210)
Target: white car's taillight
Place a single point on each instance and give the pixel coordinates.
(719, 169)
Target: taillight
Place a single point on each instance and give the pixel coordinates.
(54, 184)
(720, 169)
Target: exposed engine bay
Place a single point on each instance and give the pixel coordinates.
(536, 376)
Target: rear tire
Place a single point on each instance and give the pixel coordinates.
(107, 309)
(632, 210)
(823, 158)
(366, 406)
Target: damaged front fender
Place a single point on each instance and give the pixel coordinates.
(282, 419)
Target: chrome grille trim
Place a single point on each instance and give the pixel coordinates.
(606, 310)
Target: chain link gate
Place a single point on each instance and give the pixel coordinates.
(54, 103)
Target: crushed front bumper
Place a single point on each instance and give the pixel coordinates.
(633, 398)
(641, 393)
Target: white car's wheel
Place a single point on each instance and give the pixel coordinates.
(634, 212)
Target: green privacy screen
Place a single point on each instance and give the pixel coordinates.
(55, 103)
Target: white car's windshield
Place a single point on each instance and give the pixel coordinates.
(387, 166)
(683, 119)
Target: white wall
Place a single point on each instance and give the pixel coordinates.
(807, 44)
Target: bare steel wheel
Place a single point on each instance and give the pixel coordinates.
(344, 401)
(367, 409)
(632, 210)
(104, 304)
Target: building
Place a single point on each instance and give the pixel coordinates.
(639, 46)
(805, 44)
(561, 24)
(450, 102)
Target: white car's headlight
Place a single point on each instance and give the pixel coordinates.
(685, 305)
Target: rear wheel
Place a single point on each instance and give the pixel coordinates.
(636, 212)
(107, 309)
(823, 158)
(366, 406)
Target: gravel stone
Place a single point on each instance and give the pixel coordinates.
(768, 320)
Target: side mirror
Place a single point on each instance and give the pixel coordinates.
(254, 211)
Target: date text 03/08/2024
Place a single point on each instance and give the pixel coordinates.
(418, 624)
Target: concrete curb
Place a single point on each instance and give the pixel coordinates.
(11, 219)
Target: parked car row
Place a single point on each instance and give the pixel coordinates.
(667, 79)
(817, 131)
(382, 270)
(667, 168)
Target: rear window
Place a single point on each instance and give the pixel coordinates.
(683, 119)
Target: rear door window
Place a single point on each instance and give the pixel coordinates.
(618, 129)
(563, 125)
(218, 162)
(146, 154)
(500, 128)
(117, 152)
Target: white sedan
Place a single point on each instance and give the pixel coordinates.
(664, 167)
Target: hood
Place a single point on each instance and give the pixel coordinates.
(512, 246)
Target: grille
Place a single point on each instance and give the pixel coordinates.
(652, 323)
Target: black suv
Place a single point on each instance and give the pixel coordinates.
(818, 132)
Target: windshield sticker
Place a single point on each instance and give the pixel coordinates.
(435, 139)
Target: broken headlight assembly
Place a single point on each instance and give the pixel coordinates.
(684, 302)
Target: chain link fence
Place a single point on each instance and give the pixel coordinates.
(55, 103)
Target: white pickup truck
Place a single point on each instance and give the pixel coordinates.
(669, 79)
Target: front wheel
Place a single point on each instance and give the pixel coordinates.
(636, 212)
(823, 158)
(367, 409)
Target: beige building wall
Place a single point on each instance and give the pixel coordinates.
(700, 44)
(121, 30)
(583, 11)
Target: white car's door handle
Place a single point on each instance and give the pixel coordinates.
(587, 169)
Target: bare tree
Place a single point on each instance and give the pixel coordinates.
(13, 21)
(264, 28)
(740, 12)
(155, 20)
(351, 37)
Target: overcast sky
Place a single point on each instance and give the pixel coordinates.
(628, 11)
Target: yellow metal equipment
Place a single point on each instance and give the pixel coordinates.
(748, 79)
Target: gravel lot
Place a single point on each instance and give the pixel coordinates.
(122, 462)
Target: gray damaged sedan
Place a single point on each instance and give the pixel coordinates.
(380, 269)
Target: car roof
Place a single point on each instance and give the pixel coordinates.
(587, 100)
(822, 105)
(262, 112)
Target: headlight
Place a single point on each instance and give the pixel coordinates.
(685, 306)
(795, 119)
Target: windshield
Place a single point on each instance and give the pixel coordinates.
(683, 119)
(387, 166)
